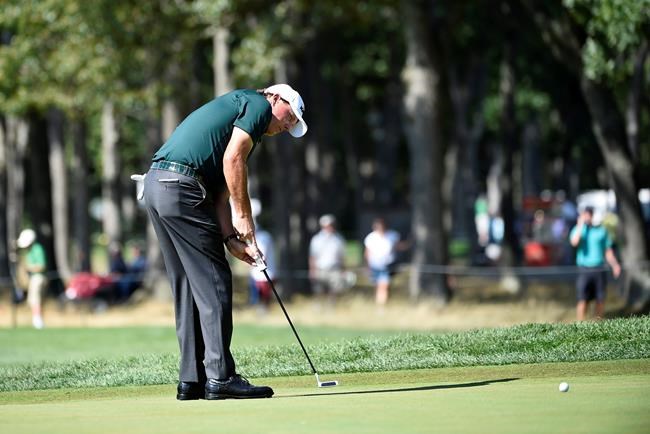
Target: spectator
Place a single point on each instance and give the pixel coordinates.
(138, 264)
(380, 245)
(259, 287)
(132, 278)
(36, 265)
(116, 263)
(326, 252)
(593, 247)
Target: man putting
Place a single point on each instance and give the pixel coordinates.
(186, 192)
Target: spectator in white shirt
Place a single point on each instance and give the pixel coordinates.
(326, 252)
(380, 245)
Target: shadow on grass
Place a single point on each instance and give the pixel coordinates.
(408, 389)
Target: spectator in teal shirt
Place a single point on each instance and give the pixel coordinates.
(593, 247)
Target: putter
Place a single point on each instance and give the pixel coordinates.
(261, 265)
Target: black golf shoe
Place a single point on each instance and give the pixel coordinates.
(236, 387)
(187, 391)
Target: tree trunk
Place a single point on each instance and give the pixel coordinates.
(426, 156)
(466, 93)
(5, 270)
(633, 101)
(40, 203)
(511, 250)
(387, 145)
(531, 170)
(80, 197)
(320, 160)
(111, 217)
(221, 58)
(59, 190)
(17, 138)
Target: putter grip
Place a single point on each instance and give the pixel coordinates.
(259, 261)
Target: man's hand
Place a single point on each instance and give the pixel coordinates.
(613, 262)
(616, 271)
(256, 254)
(240, 251)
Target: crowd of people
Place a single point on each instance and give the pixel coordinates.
(328, 276)
(116, 287)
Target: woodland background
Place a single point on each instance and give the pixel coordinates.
(415, 109)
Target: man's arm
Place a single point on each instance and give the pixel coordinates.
(224, 214)
(577, 232)
(235, 172)
(612, 261)
(236, 247)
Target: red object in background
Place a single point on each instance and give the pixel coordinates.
(87, 285)
(264, 289)
(537, 254)
(533, 203)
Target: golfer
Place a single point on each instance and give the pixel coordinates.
(187, 192)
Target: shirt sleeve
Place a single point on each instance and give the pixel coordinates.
(609, 243)
(254, 117)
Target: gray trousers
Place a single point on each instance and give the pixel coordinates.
(184, 218)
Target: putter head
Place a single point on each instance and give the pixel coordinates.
(326, 383)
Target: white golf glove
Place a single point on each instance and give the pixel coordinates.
(139, 185)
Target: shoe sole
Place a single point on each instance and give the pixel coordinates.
(219, 396)
(188, 396)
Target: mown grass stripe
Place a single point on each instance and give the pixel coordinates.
(532, 343)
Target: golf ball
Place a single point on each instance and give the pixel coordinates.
(564, 387)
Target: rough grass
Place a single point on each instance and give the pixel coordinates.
(532, 343)
(25, 344)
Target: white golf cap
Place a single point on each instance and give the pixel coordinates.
(26, 238)
(294, 99)
(326, 220)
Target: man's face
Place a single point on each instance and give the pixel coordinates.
(283, 118)
(587, 217)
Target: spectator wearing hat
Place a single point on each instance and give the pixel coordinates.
(593, 247)
(326, 253)
(36, 265)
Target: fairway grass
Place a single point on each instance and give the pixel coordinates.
(605, 397)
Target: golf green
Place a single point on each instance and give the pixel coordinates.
(604, 397)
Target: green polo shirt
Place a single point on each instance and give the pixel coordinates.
(594, 242)
(200, 140)
(36, 256)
